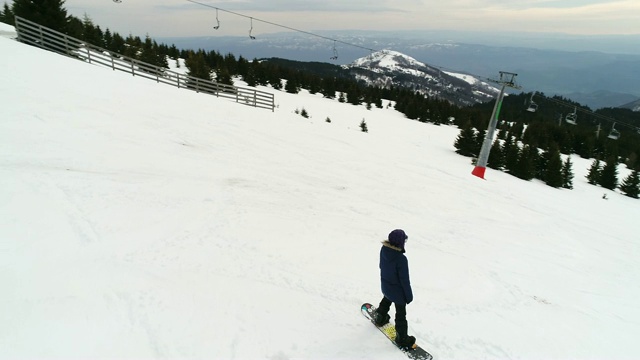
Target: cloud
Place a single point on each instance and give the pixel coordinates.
(363, 6)
(184, 18)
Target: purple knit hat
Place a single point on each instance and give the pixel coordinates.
(397, 238)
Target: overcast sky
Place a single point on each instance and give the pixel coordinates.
(163, 18)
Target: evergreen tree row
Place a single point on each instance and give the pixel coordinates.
(588, 139)
(607, 176)
(52, 14)
(329, 80)
(543, 129)
(525, 162)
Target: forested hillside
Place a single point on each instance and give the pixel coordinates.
(611, 135)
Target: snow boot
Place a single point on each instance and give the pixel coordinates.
(380, 319)
(402, 339)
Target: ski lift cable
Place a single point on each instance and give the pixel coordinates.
(588, 112)
(370, 50)
(283, 26)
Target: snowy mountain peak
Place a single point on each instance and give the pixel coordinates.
(387, 68)
(388, 59)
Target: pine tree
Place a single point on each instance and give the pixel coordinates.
(118, 44)
(480, 135)
(363, 126)
(567, 174)
(553, 175)
(314, 85)
(134, 43)
(48, 13)
(108, 38)
(223, 76)
(526, 168)
(465, 142)
(496, 156)
(275, 80)
(609, 175)
(354, 95)
(593, 176)
(378, 102)
(250, 77)
(292, 86)
(151, 53)
(6, 15)
(631, 185)
(197, 66)
(541, 165)
(511, 155)
(91, 33)
(632, 160)
(328, 87)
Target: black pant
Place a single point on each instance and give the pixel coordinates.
(401, 316)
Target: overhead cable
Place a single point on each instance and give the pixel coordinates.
(336, 41)
(590, 112)
(284, 26)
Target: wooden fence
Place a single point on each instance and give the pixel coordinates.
(32, 33)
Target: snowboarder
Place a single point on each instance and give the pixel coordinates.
(396, 287)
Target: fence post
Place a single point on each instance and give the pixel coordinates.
(41, 37)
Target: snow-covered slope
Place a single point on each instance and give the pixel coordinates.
(7, 31)
(390, 68)
(634, 105)
(142, 221)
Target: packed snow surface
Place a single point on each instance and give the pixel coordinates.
(141, 221)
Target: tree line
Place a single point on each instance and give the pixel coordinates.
(329, 80)
(528, 146)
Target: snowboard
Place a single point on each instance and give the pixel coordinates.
(389, 330)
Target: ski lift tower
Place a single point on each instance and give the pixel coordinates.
(506, 79)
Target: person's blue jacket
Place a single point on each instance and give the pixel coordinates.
(394, 274)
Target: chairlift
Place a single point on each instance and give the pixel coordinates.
(335, 52)
(217, 20)
(532, 105)
(614, 134)
(572, 118)
(251, 30)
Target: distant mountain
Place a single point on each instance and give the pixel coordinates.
(634, 105)
(601, 99)
(393, 69)
(552, 71)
